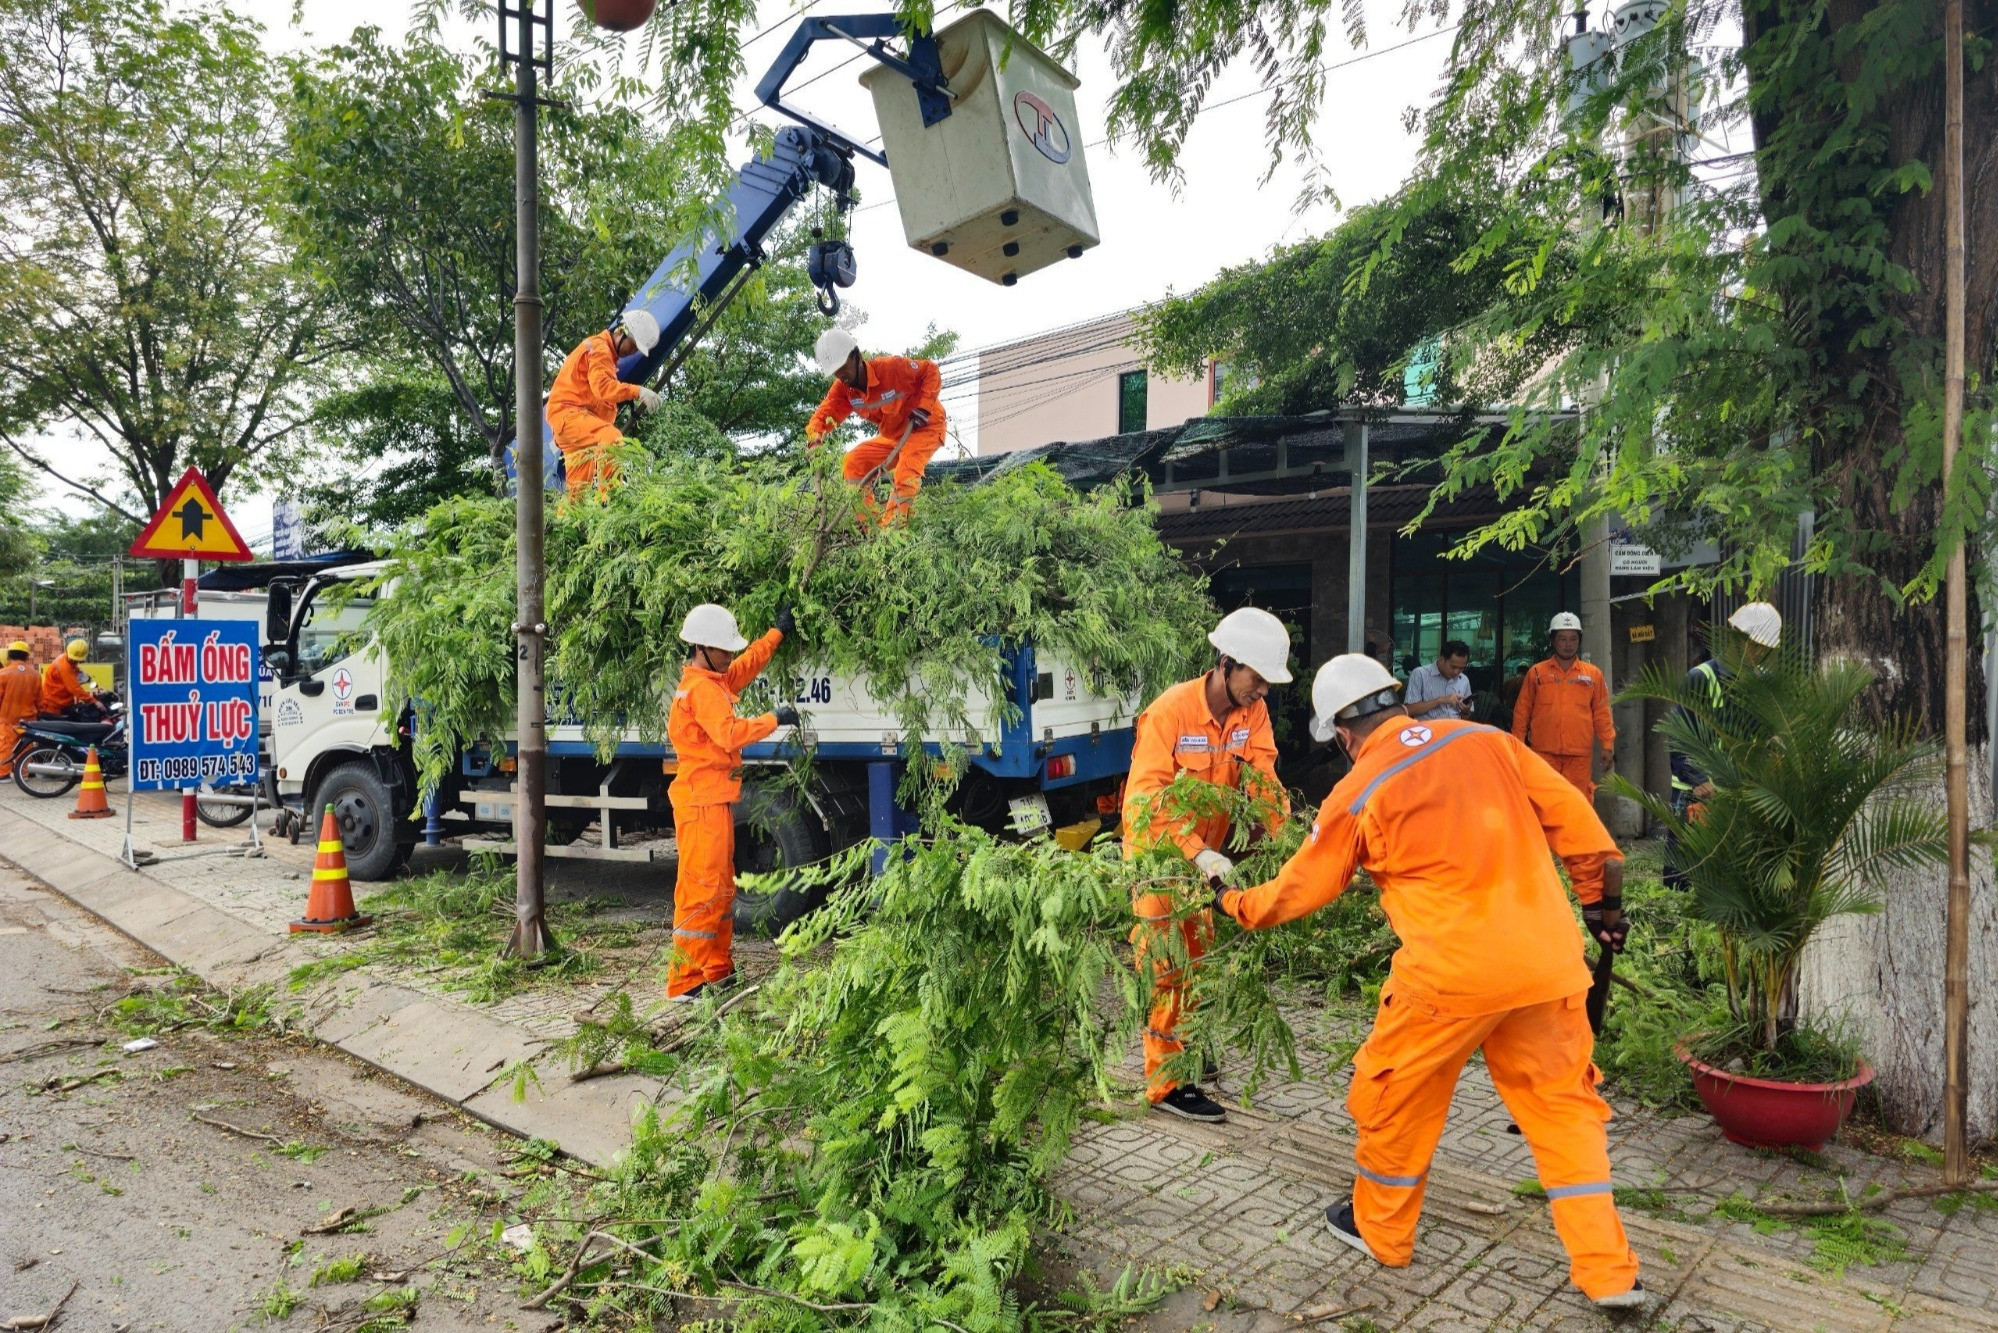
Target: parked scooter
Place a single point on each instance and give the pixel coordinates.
(48, 759)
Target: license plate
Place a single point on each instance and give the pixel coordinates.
(1030, 813)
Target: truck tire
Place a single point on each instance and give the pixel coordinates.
(774, 828)
(366, 815)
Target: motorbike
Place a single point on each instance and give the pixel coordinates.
(48, 761)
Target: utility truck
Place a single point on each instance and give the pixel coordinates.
(1055, 759)
(978, 132)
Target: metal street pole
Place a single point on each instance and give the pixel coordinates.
(1956, 949)
(530, 938)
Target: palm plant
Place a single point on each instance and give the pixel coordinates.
(1812, 810)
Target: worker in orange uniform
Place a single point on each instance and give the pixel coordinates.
(708, 740)
(582, 407)
(1563, 709)
(20, 700)
(66, 691)
(899, 396)
(1215, 727)
(1454, 821)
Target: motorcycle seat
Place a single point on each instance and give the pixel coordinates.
(83, 732)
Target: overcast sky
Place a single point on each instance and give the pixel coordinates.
(1153, 240)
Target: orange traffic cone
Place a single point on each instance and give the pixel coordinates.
(90, 802)
(329, 907)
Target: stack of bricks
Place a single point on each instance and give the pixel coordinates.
(44, 642)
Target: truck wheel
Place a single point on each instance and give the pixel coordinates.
(774, 828)
(366, 817)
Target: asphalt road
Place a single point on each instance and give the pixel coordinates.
(114, 1189)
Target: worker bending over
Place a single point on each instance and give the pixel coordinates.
(1454, 821)
(582, 407)
(66, 692)
(1563, 710)
(1217, 728)
(20, 700)
(708, 740)
(899, 396)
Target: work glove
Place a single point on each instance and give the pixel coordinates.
(786, 622)
(1217, 868)
(649, 399)
(920, 417)
(1606, 923)
(787, 715)
(1215, 905)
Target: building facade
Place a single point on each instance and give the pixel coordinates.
(1082, 382)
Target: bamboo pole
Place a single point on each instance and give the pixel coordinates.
(1956, 957)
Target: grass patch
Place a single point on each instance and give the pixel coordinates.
(452, 924)
(1838, 1242)
(300, 1152)
(279, 1302)
(347, 1268)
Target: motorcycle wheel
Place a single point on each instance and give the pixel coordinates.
(221, 814)
(46, 785)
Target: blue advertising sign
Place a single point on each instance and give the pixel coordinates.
(193, 704)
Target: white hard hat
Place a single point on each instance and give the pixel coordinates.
(1257, 639)
(1350, 686)
(711, 626)
(1565, 620)
(834, 347)
(642, 327)
(1761, 622)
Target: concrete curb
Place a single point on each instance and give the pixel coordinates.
(449, 1050)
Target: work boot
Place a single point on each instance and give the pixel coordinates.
(1190, 1103)
(690, 995)
(1339, 1217)
(1634, 1299)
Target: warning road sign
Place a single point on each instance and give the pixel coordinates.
(190, 525)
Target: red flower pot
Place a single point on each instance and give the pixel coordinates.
(617, 15)
(1764, 1113)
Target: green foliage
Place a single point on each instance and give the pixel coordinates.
(1812, 809)
(922, 610)
(1838, 1240)
(347, 1268)
(180, 1001)
(73, 556)
(146, 302)
(402, 443)
(279, 1302)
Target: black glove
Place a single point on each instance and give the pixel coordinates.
(1214, 904)
(787, 715)
(786, 622)
(1606, 923)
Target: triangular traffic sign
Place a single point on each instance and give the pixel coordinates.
(190, 525)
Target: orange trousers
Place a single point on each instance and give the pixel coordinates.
(703, 897)
(1539, 1059)
(908, 470)
(10, 736)
(1154, 912)
(1579, 769)
(582, 438)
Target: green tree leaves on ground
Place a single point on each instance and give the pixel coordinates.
(146, 302)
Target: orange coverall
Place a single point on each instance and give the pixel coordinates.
(896, 386)
(1178, 734)
(582, 411)
(707, 740)
(1454, 821)
(20, 700)
(1560, 712)
(63, 684)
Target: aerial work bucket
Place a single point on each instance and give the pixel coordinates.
(998, 188)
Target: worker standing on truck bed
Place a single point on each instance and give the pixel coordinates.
(582, 407)
(899, 396)
(20, 700)
(1217, 728)
(1563, 710)
(708, 740)
(66, 692)
(1454, 822)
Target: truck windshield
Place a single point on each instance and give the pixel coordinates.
(330, 630)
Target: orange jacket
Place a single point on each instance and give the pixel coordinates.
(1178, 734)
(1454, 821)
(588, 382)
(20, 694)
(63, 684)
(896, 386)
(1560, 710)
(707, 736)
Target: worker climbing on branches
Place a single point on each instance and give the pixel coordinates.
(1454, 822)
(66, 692)
(582, 407)
(1215, 728)
(897, 395)
(20, 699)
(708, 740)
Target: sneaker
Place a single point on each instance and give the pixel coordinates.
(1633, 1299)
(688, 996)
(1189, 1102)
(1339, 1217)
